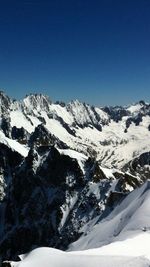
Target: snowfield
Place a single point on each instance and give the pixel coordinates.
(49, 257)
(137, 246)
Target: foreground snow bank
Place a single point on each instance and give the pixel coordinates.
(49, 257)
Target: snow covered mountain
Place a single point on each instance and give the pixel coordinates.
(64, 168)
(114, 135)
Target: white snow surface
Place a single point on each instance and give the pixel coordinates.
(14, 145)
(49, 257)
(19, 120)
(108, 172)
(134, 108)
(61, 112)
(138, 245)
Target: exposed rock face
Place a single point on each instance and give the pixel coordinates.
(33, 204)
(6, 264)
(140, 166)
(36, 102)
(116, 113)
(8, 161)
(42, 137)
(20, 134)
(5, 104)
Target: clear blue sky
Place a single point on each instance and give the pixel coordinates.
(95, 50)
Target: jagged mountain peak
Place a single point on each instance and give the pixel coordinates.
(142, 102)
(3, 94)
(76, 102)
(139, 107)
(37, 96)
(38, 102)
(5, 103)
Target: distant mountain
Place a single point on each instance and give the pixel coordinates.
(114, 135)
(65, 167)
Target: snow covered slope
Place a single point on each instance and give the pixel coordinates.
(130, 219)
(133, 246)
(14, 145)
(51, 257)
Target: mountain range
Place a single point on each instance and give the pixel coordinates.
(73, 176)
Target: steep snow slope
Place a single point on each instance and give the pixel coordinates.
(14, 145)
(18, 119)
(133, 246)
(127, 220)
